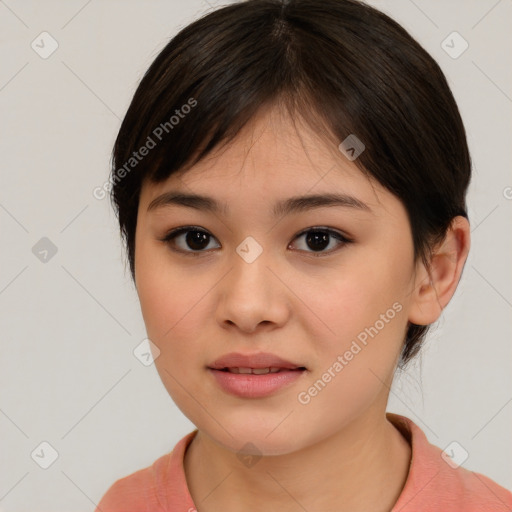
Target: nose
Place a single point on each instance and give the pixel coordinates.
(251, 296)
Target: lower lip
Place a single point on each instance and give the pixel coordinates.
(248, 385)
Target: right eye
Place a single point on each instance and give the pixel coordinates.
(195, 238)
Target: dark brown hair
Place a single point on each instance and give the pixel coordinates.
(343, 66)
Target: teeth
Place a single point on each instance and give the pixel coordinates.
(255, 371)
(260, 371)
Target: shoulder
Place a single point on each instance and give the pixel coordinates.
(466, 490)
(157, 488)
(482, 494)
(137, 492)
(436, 482)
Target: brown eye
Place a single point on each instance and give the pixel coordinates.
(318, 239)
(195, 240)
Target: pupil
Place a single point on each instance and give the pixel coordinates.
(318, 239)
(197, 242)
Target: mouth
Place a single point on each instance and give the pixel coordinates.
(254, 375)
(259, 371)
(259, 363)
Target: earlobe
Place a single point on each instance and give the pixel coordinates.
(432, 293)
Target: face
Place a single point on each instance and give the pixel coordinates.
(319, 293)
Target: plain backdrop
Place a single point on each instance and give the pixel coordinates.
(70, 318)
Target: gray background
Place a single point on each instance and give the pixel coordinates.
(70, 324)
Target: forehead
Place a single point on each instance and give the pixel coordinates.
(273, 155)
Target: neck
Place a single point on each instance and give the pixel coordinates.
(362, 467)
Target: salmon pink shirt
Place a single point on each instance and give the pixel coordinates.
(432, 484)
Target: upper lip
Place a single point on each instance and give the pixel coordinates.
(259, 360)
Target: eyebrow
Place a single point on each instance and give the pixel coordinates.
(295, 204)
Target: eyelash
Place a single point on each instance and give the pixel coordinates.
(171, 235)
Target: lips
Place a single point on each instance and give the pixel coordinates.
(254, 371)
(255, 376)
(242, 363)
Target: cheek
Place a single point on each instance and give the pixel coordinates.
(167, 298)
(355, 365)
(359, 297)
(170, 307)
(363, 321)
(172, 310)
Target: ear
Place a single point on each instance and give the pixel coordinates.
(432, 293)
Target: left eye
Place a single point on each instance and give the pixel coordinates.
(318, 238)
(198, 239)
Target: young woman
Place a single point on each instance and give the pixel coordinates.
(290, 181)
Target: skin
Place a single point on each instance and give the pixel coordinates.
(339, 451)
